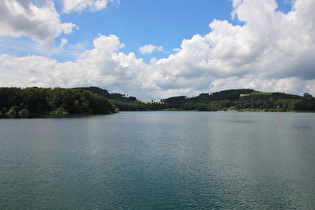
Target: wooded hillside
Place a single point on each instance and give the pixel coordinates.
(18, 101)
(243, 99)
(87, 100)
(235, 99)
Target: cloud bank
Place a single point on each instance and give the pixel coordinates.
(269, 51)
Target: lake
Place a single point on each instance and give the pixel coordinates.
(159, 160)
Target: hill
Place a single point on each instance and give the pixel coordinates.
(86, 100)
(121, 101)
(105, 93)
(18, 101)
(234, 99)
(243, 99)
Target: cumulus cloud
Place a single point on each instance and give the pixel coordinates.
(38, 22)
(103, 66)
(79, 5)
(148, 49)
(271, 43)
(269, 51)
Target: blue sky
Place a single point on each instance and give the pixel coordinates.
(158, 22)
(159, 48)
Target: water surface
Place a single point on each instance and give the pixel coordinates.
(165, 160)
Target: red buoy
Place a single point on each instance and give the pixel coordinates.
(277, 121)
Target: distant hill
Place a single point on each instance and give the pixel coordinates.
(234, 99)
(232, 95)
(105, 93)
(87, 100)
(243, 99)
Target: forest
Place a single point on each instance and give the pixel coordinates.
(34, 100)
(93, 100)
(244, 100)
(226, 100)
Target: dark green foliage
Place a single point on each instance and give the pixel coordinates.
(229, 94)
(138, 106)
(240, 99)
(24, 112)
(123, 102)
(243, 99)
(106, 94)
(12, 111)
(175, 102)
(307, 103)
(17, 101)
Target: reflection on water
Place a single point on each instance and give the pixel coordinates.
(159, 160)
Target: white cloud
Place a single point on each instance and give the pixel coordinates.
(289, 85)
(270, 44)
(80, 5)
(63, 42)
(24, 18)
(275, 47)
(103, 66)
(39, 20)
(148, 49)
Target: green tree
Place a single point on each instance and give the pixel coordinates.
(12, 111)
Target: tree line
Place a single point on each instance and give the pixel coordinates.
(89, 100)
(234, 99)
(124, 102)
(34, 100)
(243, 99)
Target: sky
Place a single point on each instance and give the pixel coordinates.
(155, 49)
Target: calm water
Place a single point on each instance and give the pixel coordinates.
(159, 160)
